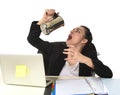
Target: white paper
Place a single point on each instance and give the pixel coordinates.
(69, 87)
(85, 85)
(96, 85)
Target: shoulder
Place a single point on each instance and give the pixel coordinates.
(90, 50)
(59, 45)
(55, 46)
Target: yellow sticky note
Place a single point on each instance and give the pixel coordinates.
(21, 71)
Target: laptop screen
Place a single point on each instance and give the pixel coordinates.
(23, 69)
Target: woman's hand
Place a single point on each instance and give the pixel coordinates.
(75, 56)
(48, 15)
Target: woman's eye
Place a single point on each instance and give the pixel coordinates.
(77, 30)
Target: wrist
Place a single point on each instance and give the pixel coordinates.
(89, 63)
(41, 21)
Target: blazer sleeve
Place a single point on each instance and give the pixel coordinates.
(99, 68)
(34, 39)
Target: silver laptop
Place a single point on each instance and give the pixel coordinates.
(24, 70)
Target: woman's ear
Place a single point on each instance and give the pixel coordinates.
(84, 41)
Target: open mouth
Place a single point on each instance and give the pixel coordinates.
(69, 37)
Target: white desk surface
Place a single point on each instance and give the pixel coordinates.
(20, 90)
(113, 86)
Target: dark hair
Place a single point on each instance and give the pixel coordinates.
(89, 47)
(88, 34)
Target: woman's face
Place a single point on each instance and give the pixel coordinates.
(76, 37)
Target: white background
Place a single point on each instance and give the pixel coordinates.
(101, 16)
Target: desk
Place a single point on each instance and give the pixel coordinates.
(113, 86)
(20, 90)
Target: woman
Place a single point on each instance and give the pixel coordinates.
(75, 57)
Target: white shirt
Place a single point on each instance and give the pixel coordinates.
(69, 70)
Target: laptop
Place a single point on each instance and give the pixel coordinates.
(23, 69)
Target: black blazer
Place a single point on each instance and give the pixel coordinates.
(54, 58)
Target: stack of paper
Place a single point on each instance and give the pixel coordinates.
(81, 86)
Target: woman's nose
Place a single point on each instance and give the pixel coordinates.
(71, 31)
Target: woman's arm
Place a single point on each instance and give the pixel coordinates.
(34, 40)
(99, 68)
(35, 31)
(89, 58)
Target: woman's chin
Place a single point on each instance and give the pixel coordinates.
(68, 43)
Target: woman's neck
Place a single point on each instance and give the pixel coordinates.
(79, 47)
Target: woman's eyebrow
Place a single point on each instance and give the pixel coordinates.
(79, 29)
